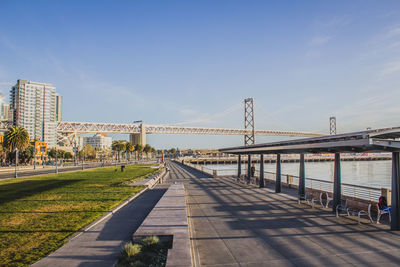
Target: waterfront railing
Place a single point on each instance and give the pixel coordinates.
(350, 190)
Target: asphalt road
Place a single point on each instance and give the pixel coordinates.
(47, 170)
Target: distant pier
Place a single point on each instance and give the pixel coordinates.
(234, 160)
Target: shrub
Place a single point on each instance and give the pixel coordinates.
(150, 252)
(150, 241)
(132, 249)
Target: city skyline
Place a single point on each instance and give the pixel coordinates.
(193, 64)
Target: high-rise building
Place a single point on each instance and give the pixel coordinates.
(3, 112)
(7, 113)
(33, 106)
(58, 107)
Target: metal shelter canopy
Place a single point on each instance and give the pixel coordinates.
(378, 140)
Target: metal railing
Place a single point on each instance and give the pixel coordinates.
(351, 190)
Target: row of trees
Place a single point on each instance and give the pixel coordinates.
(16, 143)
(128, 149)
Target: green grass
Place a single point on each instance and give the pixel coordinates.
(38, 214)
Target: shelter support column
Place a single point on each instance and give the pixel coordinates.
(239, 166)
(302, 182)
(261, 185)
(337, 183)
(248, 168)
(395, 224)
(278, 174)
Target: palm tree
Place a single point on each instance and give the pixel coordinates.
(16, 138)
(118, 146)
(139, 149)
(147, 149)
(129, 147)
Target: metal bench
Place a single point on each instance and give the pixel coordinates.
(342, 207)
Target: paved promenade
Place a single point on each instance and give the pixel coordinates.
(101, 245)
(238, 225)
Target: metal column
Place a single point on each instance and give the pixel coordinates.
(239, 166)
(278, 174)
(337, 189)
(395, 224)
(302, 182)
(261, 171)
(248, 168)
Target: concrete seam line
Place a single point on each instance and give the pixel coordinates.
(109, 213)
(194, 255)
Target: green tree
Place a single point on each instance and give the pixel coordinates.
(139, 149)
(68, 155)
(52, 153)
(172, 151)
(27, 154)
(16, 138)
(89, 152)
(118, 146)
(147, 150)
(129, 147)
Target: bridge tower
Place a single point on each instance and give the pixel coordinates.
(139, 138)
(249, 139)
(332, 125)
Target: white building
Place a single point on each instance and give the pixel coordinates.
(33, 106)
(3, 112)
(98, 141)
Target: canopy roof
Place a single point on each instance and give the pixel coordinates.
(378, 140)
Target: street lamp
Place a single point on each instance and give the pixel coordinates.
(34, 156)
(16, 163)
(56, 161)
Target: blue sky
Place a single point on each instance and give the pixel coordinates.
(193, 62)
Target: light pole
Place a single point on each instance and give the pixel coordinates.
(56, 161)
(16, 163)
(34, 156)
(75, 152)
(83, 158)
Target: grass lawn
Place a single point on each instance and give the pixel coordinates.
(38, 214)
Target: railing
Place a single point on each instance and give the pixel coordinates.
(356, 191)
(202, 168)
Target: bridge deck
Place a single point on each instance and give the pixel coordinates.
(236, 225)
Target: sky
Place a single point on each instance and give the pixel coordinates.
(192, 63)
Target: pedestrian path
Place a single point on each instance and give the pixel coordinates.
(100, 246)
(239, 225)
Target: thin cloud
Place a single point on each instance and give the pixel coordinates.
(207, 118)
(393, 32)
(390, 68)
(6, 83)
(320, 40)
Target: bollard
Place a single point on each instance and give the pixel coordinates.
(387, 193)
(215, 174)
(289, 180)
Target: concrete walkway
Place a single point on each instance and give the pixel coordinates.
(100, 246)
(239, 225)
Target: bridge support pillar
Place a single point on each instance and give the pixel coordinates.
(278, 174)
(302, 182)
(138, 138)
(239, 166)
(261, 171)
(395, 224)
(337, 180)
